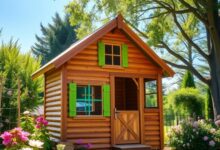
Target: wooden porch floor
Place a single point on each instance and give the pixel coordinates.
(131, 147)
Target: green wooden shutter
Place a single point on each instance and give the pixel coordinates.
(124, 55)
(72, 99)
(106, 100)
(101, 53)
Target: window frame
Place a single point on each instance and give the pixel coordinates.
(145, 94)
(86, 115)
(112, 54)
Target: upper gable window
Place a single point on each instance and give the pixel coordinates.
(112, 54)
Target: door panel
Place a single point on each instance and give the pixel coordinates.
(127, 127)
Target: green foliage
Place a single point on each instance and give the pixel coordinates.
(56, 38)
(14, 66)
(209, 106)
(197, 135)
(187, 100)
(27, 123)
(188, 80)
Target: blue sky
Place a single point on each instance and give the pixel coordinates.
(21, 19)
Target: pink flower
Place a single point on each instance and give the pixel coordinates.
(7, 138)
(205, 138)
(37, 126)
(212, 143)
(24, 136)
(45, 122)
(41, 122)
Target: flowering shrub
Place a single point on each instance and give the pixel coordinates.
(15, 138)
(202, 135)
(37, 137)
(41, 133)
(27, 122)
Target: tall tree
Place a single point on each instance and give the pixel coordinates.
(188, 80)
(15, 66)
(56, 37)
(165, 24)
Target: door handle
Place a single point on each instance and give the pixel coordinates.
(116, 113)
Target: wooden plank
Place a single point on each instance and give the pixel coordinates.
(64, 102)
(141, 108)
(112, 91)
(160, 99)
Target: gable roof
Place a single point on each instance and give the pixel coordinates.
(83, 43)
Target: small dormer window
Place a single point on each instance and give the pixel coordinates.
(112, 54)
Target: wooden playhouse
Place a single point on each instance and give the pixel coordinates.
(106, 89)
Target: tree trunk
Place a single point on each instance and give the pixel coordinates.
(214, 61)
(214, 84)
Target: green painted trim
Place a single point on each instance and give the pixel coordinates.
(106, 100)
(101, 53)
(72, 99)
(124, 55)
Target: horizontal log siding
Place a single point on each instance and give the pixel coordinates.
(152, 129)
(83, 69)
(87, 59)
(53, 104)
(93, 130)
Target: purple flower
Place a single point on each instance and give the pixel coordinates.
(205, 138)
(212, 143)
(7, 138)
(88, 146)
(79, 141)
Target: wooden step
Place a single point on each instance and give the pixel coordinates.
(131, 147)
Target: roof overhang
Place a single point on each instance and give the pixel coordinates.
(83, 43)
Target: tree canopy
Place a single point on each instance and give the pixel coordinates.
(56, 37)
(16, 66)
(177, 29)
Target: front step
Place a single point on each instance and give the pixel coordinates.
(131, 147)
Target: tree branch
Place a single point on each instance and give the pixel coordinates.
(195, 11)
(190, 41)
(189, 66)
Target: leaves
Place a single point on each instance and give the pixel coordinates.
(56, 38)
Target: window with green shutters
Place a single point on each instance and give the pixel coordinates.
(112, 54)
(89, 100)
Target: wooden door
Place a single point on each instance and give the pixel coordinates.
(127, 127)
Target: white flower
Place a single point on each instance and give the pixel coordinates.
(36, 143)
(187, 144)
(212, 143)
(205, 138)
(26, 112)
(212, 130)
(27, 148)
(194, 130)
(195, 124)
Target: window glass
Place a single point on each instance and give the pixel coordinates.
(112, 55)
(116, 60)
(89, 100)
(116, 50)
(108, 60)
(151, 94)
(108, 49)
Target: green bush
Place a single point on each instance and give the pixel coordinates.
(187, 100)
(195, 135)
